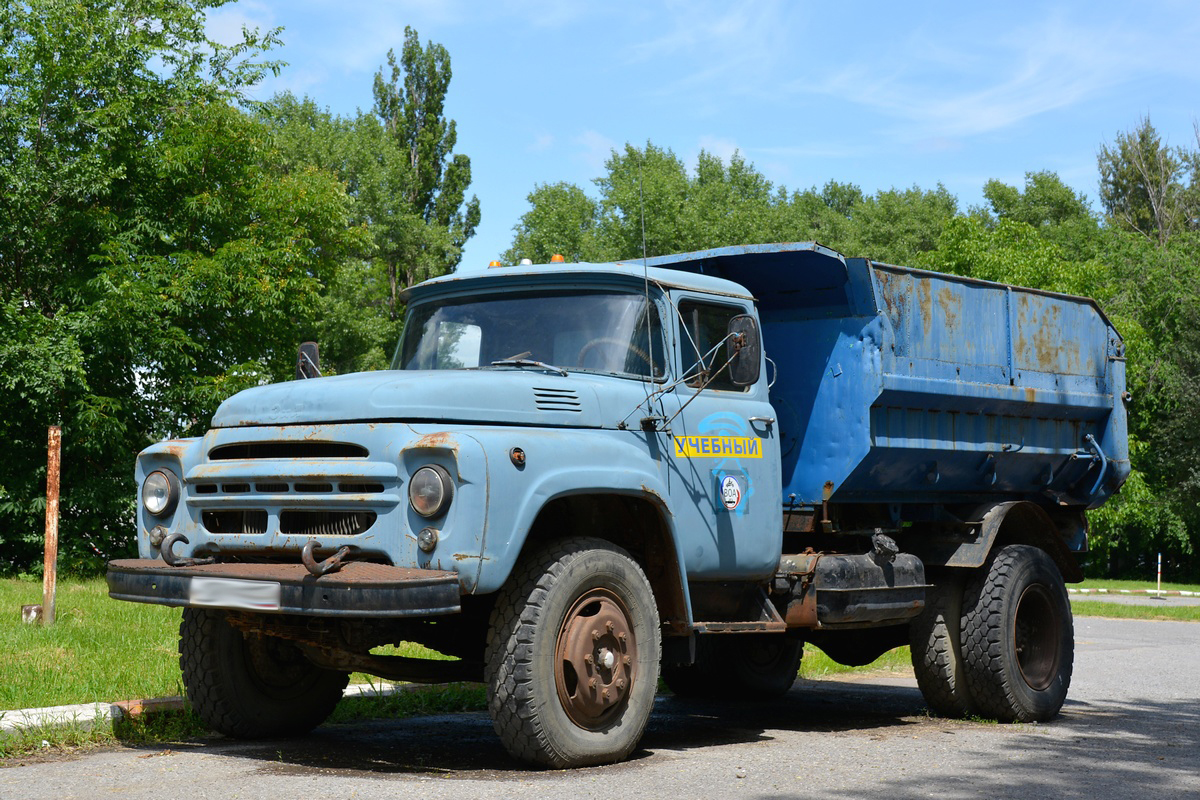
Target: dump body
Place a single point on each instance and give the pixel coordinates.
(898, 385)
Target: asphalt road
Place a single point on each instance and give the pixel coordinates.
(1130, 729)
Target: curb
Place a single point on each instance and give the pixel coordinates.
(1136, 592)
(87, 715)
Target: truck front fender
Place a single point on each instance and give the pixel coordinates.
(595, 465)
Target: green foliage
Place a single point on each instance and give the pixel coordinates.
(1130, 528)
(155, 254)
(649, 202)
(1142, 184)
(562, 220)
(1057, 212)
(408, 192)
(898, 226)
(1012, 251)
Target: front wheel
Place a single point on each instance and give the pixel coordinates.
(252, 687)
(1018, 637)
(572, 655)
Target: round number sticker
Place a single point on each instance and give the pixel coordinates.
(731, 492)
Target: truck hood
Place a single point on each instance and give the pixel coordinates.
(502, 395)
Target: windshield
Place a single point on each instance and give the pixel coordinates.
(599, 331)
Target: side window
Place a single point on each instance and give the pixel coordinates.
(702, 344)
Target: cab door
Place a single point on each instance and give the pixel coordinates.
(723, 450)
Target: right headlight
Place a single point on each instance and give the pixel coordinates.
(160, 493)
(430, 491)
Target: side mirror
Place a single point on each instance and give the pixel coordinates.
(743, 349)
(308, 361)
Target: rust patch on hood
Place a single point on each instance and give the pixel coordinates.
(440, 439)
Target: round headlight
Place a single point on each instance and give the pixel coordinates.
(160, 493)
(430, 490)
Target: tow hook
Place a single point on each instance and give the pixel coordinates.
(331, 564)
(167, 551)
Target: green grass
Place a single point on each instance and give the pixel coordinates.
(816, 665)
(1097, 583)
(98, 650)
(1096, 608)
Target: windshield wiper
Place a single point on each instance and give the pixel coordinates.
(528, 362)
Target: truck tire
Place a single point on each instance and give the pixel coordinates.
(572, 656)
(738, 667)
(936, 646)
(252, 687)
(1018, 636)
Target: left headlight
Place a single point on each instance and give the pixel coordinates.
(160, 493)
(430, 491)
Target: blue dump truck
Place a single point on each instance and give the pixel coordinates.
(576, 478)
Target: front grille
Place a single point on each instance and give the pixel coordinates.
(325, 523)
(250, 521)
(279, 487)
(286, 450)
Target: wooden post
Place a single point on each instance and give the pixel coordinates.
(50, 570)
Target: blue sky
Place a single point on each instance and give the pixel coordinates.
(880, 95)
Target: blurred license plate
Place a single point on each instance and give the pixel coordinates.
(225, 593)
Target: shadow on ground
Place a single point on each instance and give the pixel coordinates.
(1150, 748)
(465, 745)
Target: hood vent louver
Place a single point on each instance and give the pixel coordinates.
(556, 400)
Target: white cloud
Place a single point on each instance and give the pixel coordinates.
(718, 146)
(547, 13)
(595, 149)
(541, 143)
(714, 52)
(224, 25)
(944, 87)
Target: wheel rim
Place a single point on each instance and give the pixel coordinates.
(594, 659)
(1037, 636)
(277, 667)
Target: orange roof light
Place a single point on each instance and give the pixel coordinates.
(557, 258)
(495, 264)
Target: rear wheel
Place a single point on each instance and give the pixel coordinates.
(936, 646)
(252, 687)
(1018, 636)
(738, 667)
(572, 655)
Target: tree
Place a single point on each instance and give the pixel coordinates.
(1154, 306)
(1057, 212)
(649, 202)
(439, 220)
(899, 226)
(643, 190)
(408, 190)
(561, 220)
(1141, 184)
(155, 254)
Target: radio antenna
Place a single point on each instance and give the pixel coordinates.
(646, 280)
(642, 209)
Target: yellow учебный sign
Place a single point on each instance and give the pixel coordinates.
(717, 447)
